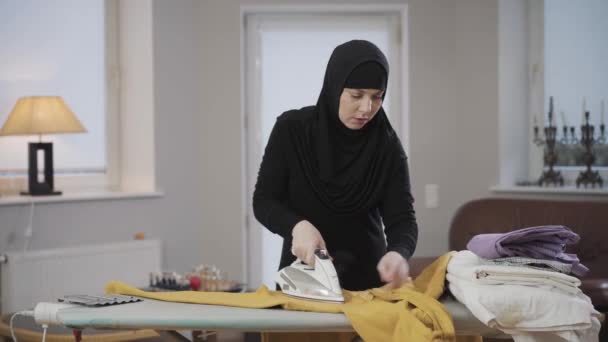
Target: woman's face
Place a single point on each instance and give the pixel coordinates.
(358, 106)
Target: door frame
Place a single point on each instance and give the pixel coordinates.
(251, 242)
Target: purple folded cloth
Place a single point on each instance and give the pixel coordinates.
(543, 242)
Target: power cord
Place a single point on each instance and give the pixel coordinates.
(29, 230)
(28, 313)
(44, 327)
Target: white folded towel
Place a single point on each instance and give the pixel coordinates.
(468, 266)
(527, 312)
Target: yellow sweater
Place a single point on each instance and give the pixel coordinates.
(410, 313)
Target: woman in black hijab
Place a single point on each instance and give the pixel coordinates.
(333, 174)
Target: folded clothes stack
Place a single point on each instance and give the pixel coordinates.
(520, 282)
(535, 246)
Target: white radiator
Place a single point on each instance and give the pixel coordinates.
(45, 275)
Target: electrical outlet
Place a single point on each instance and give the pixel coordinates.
(431, 194)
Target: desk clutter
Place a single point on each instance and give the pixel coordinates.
(207, 278)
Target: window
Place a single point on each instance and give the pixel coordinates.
(65, 48)
(549, 49)
(576, 72)
(124, 159)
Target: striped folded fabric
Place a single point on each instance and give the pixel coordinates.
(539, 264)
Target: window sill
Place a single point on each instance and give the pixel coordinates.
(75, 196)
(565, 190)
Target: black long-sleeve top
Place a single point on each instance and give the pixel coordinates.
(283, 197)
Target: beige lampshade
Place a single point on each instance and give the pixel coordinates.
(41, 115)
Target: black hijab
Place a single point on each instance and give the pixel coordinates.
(347, 168)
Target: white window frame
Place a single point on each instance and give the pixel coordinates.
(399, 104)
(536, 72)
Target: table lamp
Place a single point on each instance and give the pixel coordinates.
(41, 115)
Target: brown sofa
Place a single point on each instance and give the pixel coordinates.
(497, 215)
(588, 219)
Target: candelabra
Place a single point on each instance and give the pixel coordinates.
(588, 139)
(549, 176)
(569, 140)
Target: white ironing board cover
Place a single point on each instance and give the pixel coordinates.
(160, 315)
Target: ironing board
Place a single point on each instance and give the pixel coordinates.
(170, 316)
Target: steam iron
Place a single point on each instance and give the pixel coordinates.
(318, 283)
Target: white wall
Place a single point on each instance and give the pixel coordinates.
(454, 133)
(453, 82)
(453, 107)
(454, 103)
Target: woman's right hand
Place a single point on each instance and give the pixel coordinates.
(305, 239)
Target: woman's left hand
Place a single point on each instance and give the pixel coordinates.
(394, 269)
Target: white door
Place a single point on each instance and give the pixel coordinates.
(285, 60)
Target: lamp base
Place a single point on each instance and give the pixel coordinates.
(52, 193)
(37, 187)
